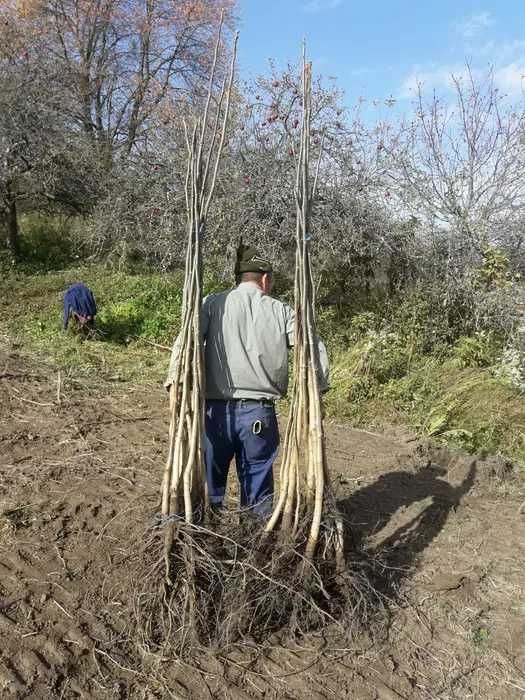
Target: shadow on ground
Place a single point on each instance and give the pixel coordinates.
(380, 523)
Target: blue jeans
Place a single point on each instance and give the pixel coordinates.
(249, 432)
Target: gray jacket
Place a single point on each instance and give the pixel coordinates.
(247, 335)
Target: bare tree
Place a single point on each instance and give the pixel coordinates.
(120, 59)
(84, 80)
(256, 199)
(457, 165)
(29, 136)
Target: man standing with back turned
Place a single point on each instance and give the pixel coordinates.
(246, 335)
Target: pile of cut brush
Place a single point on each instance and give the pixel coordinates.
(207, 583)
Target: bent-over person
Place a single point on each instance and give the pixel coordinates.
(79, 307)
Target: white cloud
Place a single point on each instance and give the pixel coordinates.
(498, 50)
(313, 7)
(503, 57)
(474, 25)
(431, 78)
(511, 78)
(508, 77)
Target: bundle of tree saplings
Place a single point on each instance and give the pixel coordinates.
(307, 576)
(172, 610)
(184, 483)
(304, 496)
(307, 582)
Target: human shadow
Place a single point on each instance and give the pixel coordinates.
(371, 509)
(116, 330)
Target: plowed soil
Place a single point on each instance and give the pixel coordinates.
(80, 467)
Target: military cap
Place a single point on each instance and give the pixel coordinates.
(249, 260)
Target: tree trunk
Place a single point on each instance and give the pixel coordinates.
(13, 240)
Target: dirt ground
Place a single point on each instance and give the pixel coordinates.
(80, 468)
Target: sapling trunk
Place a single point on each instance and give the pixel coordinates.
(184, 494)
(304, 479)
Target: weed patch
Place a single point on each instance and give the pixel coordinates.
(396, 368)
(133, 309)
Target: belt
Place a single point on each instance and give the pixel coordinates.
(260, 402)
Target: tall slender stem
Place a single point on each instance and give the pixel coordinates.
(304, 458)
(183, 491)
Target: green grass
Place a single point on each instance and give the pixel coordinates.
(468, 407)
(480, 636)
(380, 373)
(132, 310)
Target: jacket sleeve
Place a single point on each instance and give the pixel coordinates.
(323, 374)
(175, 352)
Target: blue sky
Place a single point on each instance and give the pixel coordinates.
(381, 48)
